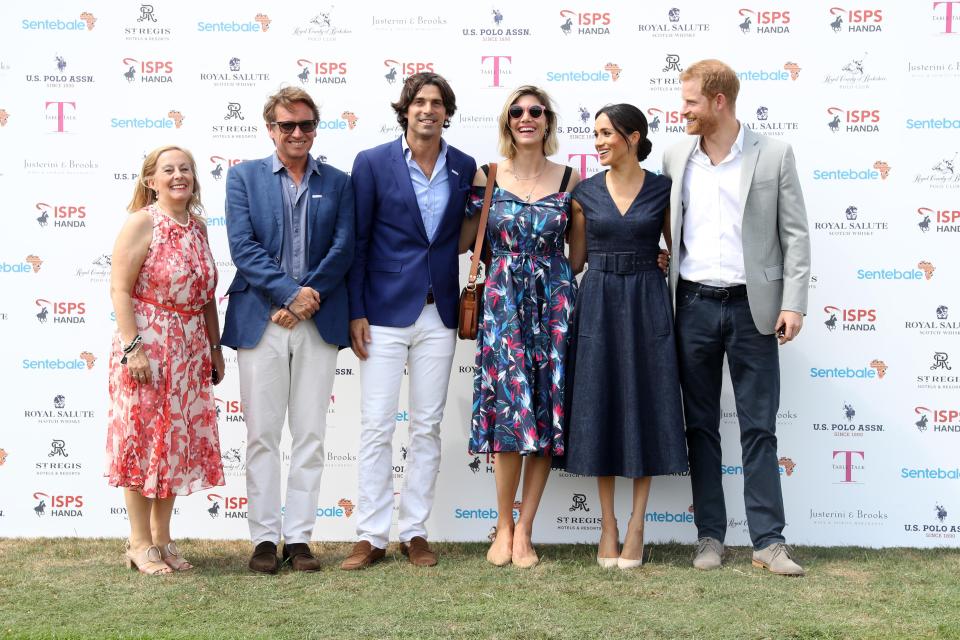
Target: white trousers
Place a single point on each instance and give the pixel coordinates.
(289, 373)
(426, 348)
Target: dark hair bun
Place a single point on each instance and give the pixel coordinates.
(644, 147)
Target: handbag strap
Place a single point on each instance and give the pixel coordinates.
(482, 229)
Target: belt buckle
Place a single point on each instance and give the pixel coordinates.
(723, 294)
(624, 263)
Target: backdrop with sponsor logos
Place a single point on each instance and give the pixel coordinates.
(869, 425)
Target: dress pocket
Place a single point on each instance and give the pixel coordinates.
(662, 316)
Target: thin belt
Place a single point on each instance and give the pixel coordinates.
(718, 293)
(622, 263)
(180, 310)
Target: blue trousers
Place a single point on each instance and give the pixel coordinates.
(708, 328)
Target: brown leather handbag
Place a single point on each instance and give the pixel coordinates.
(471, 298)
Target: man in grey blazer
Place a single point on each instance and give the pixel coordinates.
(739, 232)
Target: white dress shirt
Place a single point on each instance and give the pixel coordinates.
(711, 247)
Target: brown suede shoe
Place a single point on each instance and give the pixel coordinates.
(299, 556)
(363, 555)
(419, 553)
(264, 558)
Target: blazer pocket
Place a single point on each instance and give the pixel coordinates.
(774, 273)
(388, 266)
(321, 205)
(238, 285)
(764, 184)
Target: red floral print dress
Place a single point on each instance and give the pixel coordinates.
(162, 437)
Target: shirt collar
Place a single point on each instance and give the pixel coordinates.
(735, 149)
(738, 143)
(312, 165)
(408, 153)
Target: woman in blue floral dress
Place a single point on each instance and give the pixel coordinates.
(522, 343)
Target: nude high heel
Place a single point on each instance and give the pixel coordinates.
(608, 563)
(631, 563)
(627, 563)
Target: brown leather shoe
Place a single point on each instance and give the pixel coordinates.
(419, 552)
(264, 558)
(363, 555)
(299, 556)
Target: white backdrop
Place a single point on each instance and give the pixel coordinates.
(869, 427)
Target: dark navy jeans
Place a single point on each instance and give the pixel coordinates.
(706, 329)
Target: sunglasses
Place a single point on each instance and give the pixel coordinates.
(306, 126)
(535, 111)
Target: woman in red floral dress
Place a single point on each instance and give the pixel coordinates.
(162, 438)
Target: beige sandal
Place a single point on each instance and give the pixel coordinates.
(142, 560)
(171, 555)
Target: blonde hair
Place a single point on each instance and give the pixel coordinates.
(716, 77)
(506, 146)
(143, 195)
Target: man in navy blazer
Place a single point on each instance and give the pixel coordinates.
(403, 291)
(290, 221)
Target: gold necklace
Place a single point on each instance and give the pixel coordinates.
(519, 179)
(535, 178)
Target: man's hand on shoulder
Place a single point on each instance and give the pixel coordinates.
(788, 326)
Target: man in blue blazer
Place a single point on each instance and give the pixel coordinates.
(290, 221)
(403, 291)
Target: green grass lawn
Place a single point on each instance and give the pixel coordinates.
(73, 588)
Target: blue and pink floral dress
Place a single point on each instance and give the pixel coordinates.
(518, 383)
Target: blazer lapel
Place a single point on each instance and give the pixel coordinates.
(273, 196)
(751, 154)
(405, 185)
(454, 180)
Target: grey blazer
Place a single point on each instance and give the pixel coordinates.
(776, 242)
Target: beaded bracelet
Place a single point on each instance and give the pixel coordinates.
(137, 339)
(130, 348)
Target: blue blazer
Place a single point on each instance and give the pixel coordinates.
(255, 230)
(395, 262)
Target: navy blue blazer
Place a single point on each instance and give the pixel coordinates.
(255, 230)
(395, 262)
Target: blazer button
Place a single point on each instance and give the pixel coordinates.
(277, 259)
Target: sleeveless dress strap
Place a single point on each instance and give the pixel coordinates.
(567, 172)
(486, 171)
